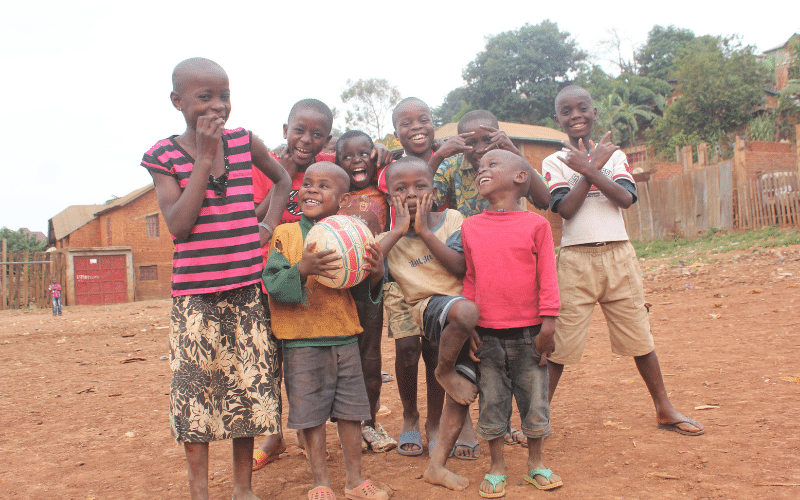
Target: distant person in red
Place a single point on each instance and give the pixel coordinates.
(55, 293)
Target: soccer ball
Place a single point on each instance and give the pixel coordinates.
(348, 237)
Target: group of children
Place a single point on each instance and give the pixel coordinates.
(466, 274)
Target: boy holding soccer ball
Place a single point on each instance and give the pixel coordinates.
(319, 327)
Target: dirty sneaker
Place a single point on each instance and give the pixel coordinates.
(377, 438)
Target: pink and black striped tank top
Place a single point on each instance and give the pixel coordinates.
(222, 252)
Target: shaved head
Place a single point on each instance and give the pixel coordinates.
(192, 67)
(407, 103)
(478, 115)
(336, 173)
(572, 90)
(405, 163)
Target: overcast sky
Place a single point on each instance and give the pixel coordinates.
(87, 83)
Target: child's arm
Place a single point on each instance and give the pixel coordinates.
(453, 261)
(402, 221)
(181, 209)
(282, 183)
(591, 174)
(381, 155)
(549, 299)
(452, 146)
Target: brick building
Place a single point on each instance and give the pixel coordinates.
(117, 252)
(535, 143)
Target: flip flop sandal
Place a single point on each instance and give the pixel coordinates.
(263, 459)
(674, 427)
(321, 493)
(366, 491)
(494, 480)
(409, 437)
(545, 473)
(473, 447)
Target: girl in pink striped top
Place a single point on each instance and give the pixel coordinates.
(221, 353)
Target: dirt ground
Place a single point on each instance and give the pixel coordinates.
(84, 401)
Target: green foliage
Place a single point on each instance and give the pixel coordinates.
(18, 241)
(516, 77)
(453, 107)
(663, 47)
(371, 101)
(762, 128)
(720, 85)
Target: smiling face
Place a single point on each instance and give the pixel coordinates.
(202, 90)
(354, 158)
(575, 113)
(409, 178)
(479, 141)
(413, 127)
(323, 191)
(306, 134)
(502, 171)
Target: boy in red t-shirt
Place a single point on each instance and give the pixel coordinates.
(55, 294)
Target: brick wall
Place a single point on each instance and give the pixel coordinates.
(665, 170)
(85, 236)
(770, 147)
(129, 228)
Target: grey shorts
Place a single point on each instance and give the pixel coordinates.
(434, 320)
(324, 382)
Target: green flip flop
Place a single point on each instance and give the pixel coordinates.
(545, 473)
(494, 480)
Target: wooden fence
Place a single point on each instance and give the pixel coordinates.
(772, 200)
(702, 199)
(25, 277)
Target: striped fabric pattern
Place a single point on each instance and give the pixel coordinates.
(222, 252)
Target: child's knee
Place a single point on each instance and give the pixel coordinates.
(408, 350)
(464, 314)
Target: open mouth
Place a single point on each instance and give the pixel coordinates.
(484, 181)
(360, 175)
(305, 153)
(312, 203)
(419, 138)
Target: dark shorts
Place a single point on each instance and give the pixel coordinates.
(509, 368)
(323, 383)
(434, 320)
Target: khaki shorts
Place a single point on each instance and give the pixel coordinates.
(609, 275)
(398, 313)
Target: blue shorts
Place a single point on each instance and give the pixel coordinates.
(434, 319)
(509, 368)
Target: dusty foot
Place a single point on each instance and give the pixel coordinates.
(487, 487)
(446, 478)
(272, 451)
(680, 423)
(244, 495)
(515, 436)
(544, 482)
(456, 386)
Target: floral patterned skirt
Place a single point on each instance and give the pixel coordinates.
(224, 367)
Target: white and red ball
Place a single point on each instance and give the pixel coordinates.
(348, 237)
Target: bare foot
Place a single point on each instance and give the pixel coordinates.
(244, 495)
(456, 386)
(680, 423)
(446, 478)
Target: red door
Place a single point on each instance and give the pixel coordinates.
(101, 279)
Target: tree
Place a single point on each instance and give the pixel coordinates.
(662, 47)
(20, 241)
(453, 107)
(372, 100)
(516, 77)
(720, 85)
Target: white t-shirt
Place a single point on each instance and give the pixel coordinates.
(598, 219)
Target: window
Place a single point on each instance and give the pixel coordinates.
(108, 231)
(148, 273)
(152, 226)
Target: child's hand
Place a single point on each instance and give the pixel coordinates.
(381, 155)
(374, 263)
(544, 342)
(455, 145)
(576, 158)
(499, 140)
(602, 152)
(317, 263)
(209, 135)
(424, 206)
(474, 345)
(402, 218)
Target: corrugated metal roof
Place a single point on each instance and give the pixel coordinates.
(70, 219)
(514, 131)
(124, 200)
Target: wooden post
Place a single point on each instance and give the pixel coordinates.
(739, 162)
(702, 154)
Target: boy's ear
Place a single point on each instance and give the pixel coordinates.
(285, 130)
(521, 177)
(344, 200)
(176, 100)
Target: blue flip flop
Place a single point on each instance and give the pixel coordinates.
(409, 437)
(472, 446)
